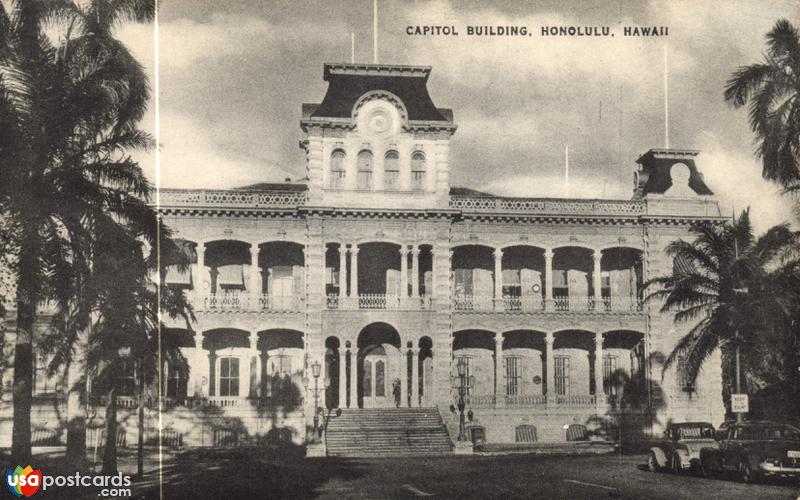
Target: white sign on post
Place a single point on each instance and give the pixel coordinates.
(740, 403)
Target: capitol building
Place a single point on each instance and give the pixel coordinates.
(388, 280)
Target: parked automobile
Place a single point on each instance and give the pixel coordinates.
(754, 450)
(680, 449)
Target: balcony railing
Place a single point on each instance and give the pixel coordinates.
(576, 400)
(231, 199)
(547, 206)
(535, 303)
(526, 400)
(369, 301)
(243, 301)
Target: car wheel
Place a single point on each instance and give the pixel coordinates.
(652, 463)
(746, 472)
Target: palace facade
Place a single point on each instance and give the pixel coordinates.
(384, 274)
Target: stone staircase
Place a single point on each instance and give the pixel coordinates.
(387, 432)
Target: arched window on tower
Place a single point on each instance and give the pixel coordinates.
(338, 172)
(391, 171)
(418, 171)
(365, 170)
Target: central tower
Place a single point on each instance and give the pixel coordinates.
(377, 140)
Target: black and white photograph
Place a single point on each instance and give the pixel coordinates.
(383, 249)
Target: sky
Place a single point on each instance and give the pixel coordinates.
(232, 76)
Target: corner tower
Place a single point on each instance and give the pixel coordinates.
(377, 140)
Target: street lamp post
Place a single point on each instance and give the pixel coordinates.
(315, 371)
(462, 391)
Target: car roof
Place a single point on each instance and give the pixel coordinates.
(690, 424)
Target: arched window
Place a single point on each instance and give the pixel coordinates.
(391, 171)
(365, 170)
(338, 172)
(229, 376)
(418, 171)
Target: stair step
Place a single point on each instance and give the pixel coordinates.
(387, 432)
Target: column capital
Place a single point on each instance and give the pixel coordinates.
(597, 254)
(403, 250)
(498, 338)
(498, 254)
(354, 249)
(598, 339)
(548, 253)
(450, 254)
(200, 248)
(549, 338)
(415, 250)
(415, 351)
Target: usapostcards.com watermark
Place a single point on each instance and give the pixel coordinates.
(27, 481)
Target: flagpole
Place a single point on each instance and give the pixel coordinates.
(666, 98)
(375, 31)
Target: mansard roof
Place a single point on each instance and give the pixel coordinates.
(348, 82)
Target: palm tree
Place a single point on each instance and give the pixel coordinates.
(771, 88)
(67, 120)
(723, 284)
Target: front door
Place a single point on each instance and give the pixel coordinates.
(374, 386)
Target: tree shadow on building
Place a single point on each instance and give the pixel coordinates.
(632, 412)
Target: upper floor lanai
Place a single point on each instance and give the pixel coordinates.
(378, 150)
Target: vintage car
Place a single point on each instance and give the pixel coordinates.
(680, 449)
(754, 450)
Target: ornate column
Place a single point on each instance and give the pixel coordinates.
(200, 276)
(415, 272)
(415, 377)
(598, 372)
(499, 389)
(551, 369)
(597, 281)
(548, 280)
(403, 376)
(342, 375)
(212, 373)
(498, 280)
(354, 272)
(196, 367)
(253, 370)
(403, 274)
(353, 401)
(342, 272)
(254, 288)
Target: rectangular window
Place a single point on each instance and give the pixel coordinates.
(683, 380)
(176, 382)
(513, 377)
(127, 386)
(609, 367)
(562, 375)
(364, 180)
(418, 180)
(42, 383)
(229, 377)
(391, 180)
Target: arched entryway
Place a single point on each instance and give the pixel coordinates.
(379, 366)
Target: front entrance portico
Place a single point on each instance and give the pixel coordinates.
(379, 365)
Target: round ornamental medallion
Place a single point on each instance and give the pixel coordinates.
(380, 121)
